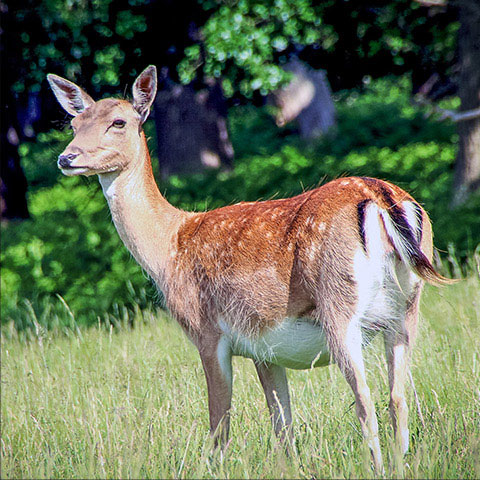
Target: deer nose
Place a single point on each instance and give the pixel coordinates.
(65, 161)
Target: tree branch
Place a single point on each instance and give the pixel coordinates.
(445, 114)
(421, 98)
(432, 3)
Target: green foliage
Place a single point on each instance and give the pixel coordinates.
(38, 158)
(243, 36)
(70, 247)
(71, 250)
(246, 42)
(67, 35)
(383, 115)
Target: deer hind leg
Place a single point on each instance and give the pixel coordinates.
(274, 382)
(216, 359)
(398, 344)
(348, 354)
(340, 309)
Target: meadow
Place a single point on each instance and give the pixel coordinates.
(130, 402)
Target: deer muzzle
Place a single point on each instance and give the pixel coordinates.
(65, 161)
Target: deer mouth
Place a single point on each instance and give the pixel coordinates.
(75, 170)
(72, 171)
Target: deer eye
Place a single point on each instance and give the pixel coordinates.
(119, 123)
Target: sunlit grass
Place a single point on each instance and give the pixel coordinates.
(131, 403)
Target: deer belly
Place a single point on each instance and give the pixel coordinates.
(295, 343)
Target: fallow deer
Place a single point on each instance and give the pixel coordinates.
(290, 283)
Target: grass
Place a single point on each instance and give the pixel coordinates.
(131, 402)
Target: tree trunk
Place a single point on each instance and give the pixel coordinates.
(192, 129)
(13, 184)
(467, 168)
(308, 99)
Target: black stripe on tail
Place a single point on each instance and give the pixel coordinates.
(409, 248)
(411, 245)
(361, 222)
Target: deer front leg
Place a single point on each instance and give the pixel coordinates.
(274, 382)
(216, 359)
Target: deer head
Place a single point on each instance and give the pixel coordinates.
(103, 130)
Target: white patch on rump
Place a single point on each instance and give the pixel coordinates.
(383, 282)
(368, 268)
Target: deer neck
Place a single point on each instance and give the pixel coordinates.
(145, 221)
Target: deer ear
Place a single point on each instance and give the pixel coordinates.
(70, 96)
(144, 91)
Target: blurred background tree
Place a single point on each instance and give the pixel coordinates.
(467, 167)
